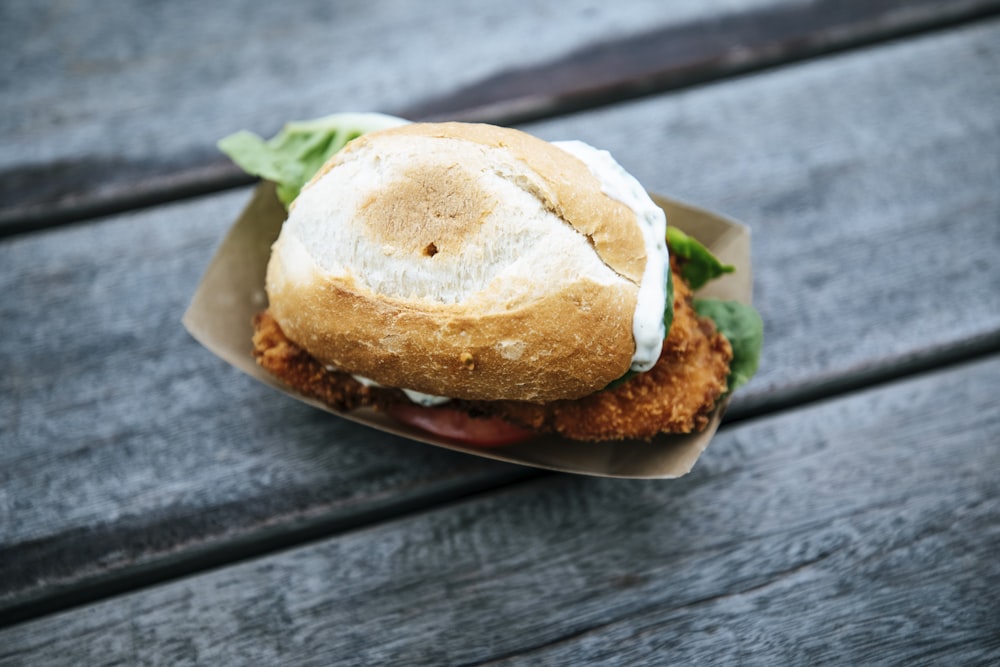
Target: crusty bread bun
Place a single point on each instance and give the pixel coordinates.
(461, 260)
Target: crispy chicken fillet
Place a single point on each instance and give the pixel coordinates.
(675, 396)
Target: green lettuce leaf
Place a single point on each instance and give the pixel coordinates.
(739, 323)
(668, 311)
(744, 329)
(697, 263)
(291, 157)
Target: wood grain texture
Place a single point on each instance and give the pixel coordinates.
(859, 531)
(671, 56)
(112, 108)
(126, 447)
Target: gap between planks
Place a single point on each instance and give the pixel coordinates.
(767, 39)
(275, 539)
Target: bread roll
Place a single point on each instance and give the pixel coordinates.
(461, 260)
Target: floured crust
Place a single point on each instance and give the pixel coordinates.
(566, 186)
(537, 332)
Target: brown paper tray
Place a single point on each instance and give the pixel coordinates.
(232, 292)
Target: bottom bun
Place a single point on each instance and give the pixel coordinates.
(676, 396)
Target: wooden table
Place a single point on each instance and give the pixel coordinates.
(158, 507)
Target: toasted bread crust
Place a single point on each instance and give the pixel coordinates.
(516, 338)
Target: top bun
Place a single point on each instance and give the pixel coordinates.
(461, 260)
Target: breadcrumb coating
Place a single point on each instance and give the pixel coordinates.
(676, 396)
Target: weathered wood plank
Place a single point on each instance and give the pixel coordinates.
(126, 442)
(858, 531)
(111, 108)
(671, 56)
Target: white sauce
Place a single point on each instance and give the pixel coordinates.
(427, 400)
(647, 322)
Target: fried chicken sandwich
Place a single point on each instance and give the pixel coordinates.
(486, 285)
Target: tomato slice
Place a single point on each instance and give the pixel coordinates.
(460, 426)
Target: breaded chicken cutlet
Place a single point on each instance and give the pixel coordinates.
(676, 396)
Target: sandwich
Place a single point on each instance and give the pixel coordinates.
(487, 285)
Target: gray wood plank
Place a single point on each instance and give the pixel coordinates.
(859, 531)
(125, 441)
(103, 102)
(106, 108)
(672, 56)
